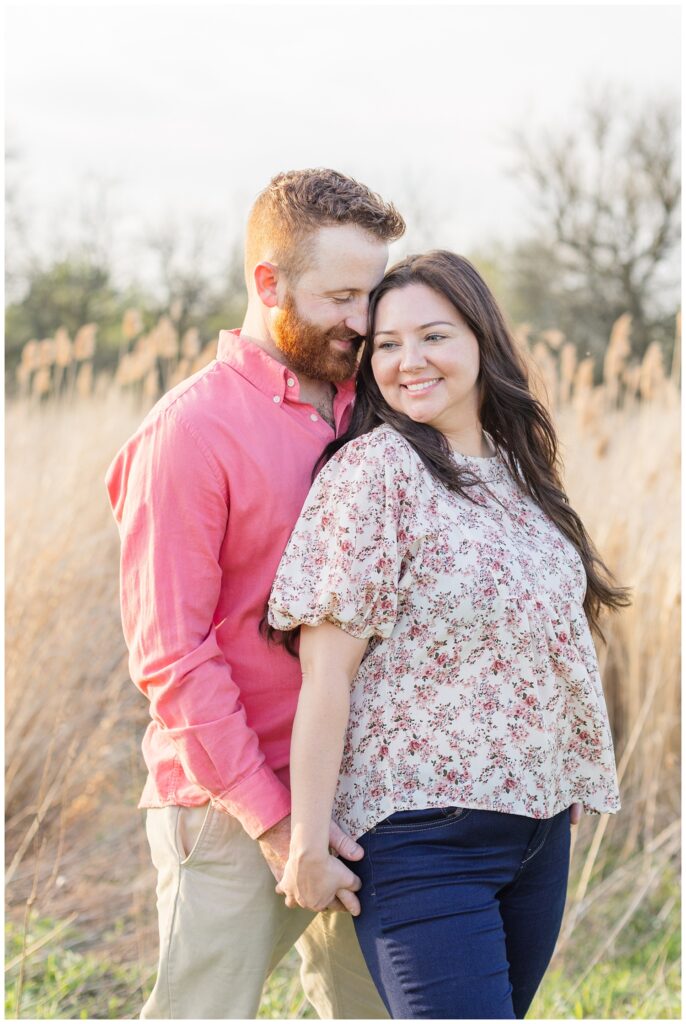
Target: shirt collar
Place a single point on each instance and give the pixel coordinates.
(246, 357)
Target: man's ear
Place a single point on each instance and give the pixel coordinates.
(266, 279)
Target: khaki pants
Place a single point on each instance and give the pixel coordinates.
(223, 929)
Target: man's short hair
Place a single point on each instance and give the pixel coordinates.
(295, 203)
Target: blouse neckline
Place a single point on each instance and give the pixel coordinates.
(487, 467)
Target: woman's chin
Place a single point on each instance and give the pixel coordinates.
(420, 417)
(414, 414)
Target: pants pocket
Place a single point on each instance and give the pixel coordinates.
(192, 824)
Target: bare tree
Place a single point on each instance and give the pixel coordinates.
(181, 257)
(17, 234)
(424, 216)
(605, 196)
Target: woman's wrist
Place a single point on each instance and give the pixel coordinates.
(309, 854)
(307, 847)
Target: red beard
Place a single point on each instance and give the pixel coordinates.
(307, 347)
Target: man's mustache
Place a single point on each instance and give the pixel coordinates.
(356, 339)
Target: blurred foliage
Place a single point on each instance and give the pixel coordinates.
(601, 240)
(73, 292)
(67, 294)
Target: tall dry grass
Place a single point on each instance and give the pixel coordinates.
(75, 847)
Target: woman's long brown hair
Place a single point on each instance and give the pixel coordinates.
(519, 425)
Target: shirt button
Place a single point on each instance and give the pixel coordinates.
(290, 382)
(276, 398)
(314, 417)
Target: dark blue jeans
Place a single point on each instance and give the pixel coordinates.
(461, 910)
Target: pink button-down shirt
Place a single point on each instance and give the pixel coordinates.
(205, 495)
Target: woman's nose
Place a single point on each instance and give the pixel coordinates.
(412, 359)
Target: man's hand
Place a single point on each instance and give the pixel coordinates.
(342, 844)
(275, 843)
(575, 812)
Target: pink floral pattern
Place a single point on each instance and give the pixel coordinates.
(480, 684)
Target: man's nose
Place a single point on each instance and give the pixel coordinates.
(357, 319)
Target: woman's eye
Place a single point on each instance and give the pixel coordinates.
(385, 345)
(435, 337)
(342, 298)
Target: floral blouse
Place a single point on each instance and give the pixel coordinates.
(480, 684)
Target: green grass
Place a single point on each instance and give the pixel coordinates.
(611, 991)
(283, 997)
(62, 982)
(638, 986)
(638, 977)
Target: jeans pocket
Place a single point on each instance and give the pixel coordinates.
(427, 817)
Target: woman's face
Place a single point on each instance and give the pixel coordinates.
(425, 359)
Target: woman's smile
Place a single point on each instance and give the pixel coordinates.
(425, 360)
(421, 387)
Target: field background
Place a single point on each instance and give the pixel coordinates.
(137, 138)
(81, 926)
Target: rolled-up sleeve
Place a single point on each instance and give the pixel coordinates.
(171, 502)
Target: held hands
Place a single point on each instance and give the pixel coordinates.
(274, 844)
(575, 812)
(318, 882)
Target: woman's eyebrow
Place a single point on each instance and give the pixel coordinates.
(422, 327)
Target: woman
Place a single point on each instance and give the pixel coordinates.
(451, 710)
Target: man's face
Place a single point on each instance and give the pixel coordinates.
(322, 318)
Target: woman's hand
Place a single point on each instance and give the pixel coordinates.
(315, 882)
(575, 812)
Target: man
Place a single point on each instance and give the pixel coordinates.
(206, 494)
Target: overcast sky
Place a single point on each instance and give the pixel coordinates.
(188, 110)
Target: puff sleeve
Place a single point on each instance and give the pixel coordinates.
(343, 561)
